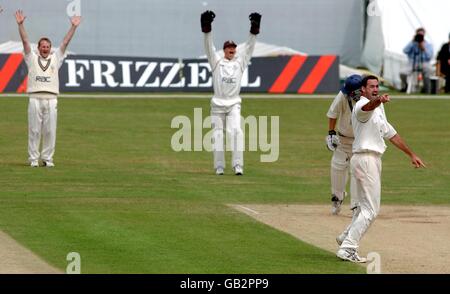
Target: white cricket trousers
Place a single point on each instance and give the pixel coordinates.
(340, 166)
(231, 122)
(365, 188)
(42, 116)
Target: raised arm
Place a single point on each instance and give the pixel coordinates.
(75, 22)
(20, 18)
(206, 19)
(255, 21)
(210, 50)
(248, 50)
(400, 144)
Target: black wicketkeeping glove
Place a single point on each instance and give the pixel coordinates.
(255, 21)
(206, 19)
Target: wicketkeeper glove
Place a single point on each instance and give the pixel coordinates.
(255, 21)
(206, 19)
(332, 140)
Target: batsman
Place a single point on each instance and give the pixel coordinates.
(226, 103)
(340, 142)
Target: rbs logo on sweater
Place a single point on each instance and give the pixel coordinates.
(43, 79)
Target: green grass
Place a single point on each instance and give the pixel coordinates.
(123, 199)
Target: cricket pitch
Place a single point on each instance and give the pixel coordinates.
(409, 239)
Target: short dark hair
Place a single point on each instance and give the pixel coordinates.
(366, 78)
(229, 43)
(44, 39)
(420, 30)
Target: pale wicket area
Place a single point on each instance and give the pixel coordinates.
(16, 259)
(404, 239)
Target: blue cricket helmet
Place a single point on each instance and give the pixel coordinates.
(352, 83)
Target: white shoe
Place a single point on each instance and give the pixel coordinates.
(350, 254)
(219, 171)
(238, 170)
(34, 163)
(340, 239)
(48, 164)
(336, 205)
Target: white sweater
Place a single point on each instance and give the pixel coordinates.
(227, 74)
(43, 73)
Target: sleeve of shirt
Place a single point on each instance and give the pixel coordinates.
(333, 111)
(60, 57)
(428, 51)
(408, 48)
(388, 129)
(248, 51)
(210, 50)
(28, 57)
(361, 115)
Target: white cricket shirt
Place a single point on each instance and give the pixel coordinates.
(227, 74)
(340, 110)
(370, 128)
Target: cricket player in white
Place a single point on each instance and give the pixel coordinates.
(370, 127)
(340, 143)
(226, 102)
(43, 88)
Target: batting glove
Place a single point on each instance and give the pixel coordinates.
(332, 140)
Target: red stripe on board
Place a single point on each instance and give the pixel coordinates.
(9, 69)
(23, 86)
(317, 74)
(288, 74)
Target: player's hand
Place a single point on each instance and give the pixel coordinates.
(255, 22)
(385, 98)
(332, 140)
(75, 20)
(206, 19)
(417, 162)
(20, 18)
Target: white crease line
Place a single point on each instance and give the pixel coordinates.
(248, 209)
